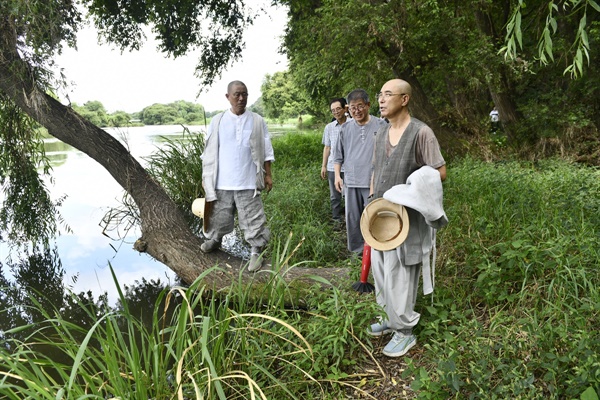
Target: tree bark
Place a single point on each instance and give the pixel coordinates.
(500, 92)
(420, 106)
(165, 234)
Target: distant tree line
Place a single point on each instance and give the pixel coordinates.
(178, 112)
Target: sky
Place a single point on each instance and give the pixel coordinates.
(134, 80)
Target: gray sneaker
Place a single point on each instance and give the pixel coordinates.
(399, 345)
(210, 245)
(255, 263)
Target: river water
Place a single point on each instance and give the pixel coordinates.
(90, 192)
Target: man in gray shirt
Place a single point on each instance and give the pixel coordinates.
(331, 135)
(354, 150)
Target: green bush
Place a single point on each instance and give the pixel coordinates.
(517, 311)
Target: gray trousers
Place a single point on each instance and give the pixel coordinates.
(356, 200)
(396, 287)
(334, 196)
(251, 217)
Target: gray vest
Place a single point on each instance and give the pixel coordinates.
(394, 170)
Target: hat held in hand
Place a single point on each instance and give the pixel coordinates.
(384, 225)
(202, 208)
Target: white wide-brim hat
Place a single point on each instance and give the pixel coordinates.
(201, 208)
(384, 225)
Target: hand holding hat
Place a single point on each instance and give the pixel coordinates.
(384, 224)
(202, 208)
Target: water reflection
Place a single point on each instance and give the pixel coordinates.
(91, 192)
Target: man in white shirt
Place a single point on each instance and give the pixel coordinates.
(236, 167)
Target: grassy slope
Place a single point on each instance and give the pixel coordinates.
(514, 314)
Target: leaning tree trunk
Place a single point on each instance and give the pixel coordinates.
(165, 234)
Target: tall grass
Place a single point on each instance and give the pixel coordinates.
(299, 201)
(199, 344)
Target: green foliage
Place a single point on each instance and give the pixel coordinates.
(299, 201)
(336, 328)
(119, 119)
(281, 97)
(27, 213)
(94, 112)
(581, 16)
(449, 52)
(179, 112)
(521, 254)
(41, 27)
(257, 107)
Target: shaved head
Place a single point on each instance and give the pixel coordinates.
(401, 86)
(394, 98)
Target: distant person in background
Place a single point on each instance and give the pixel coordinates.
(354, 153)
(331, 135)
(494, 120)
(236, 167)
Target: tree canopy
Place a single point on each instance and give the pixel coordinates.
(452, 53)
(281, 98)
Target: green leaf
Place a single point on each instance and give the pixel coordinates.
(589, 394)
(594, 5)
(518, 30)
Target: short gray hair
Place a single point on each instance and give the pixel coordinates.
(358, 94)
(234, 83)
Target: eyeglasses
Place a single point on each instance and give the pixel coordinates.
(359, 107)
(387, 95)
(336, 110)
(237, 95)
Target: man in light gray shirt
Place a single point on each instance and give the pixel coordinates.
(331, 135)
(354, 150)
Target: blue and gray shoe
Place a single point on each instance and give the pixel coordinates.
(379, 329)
(400, 344)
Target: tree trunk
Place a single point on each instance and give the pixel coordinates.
(419, 105)
(499, 91)
(165, 234)
(421, 108)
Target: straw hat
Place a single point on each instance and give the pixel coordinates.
(202, 208)
(384, 224)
